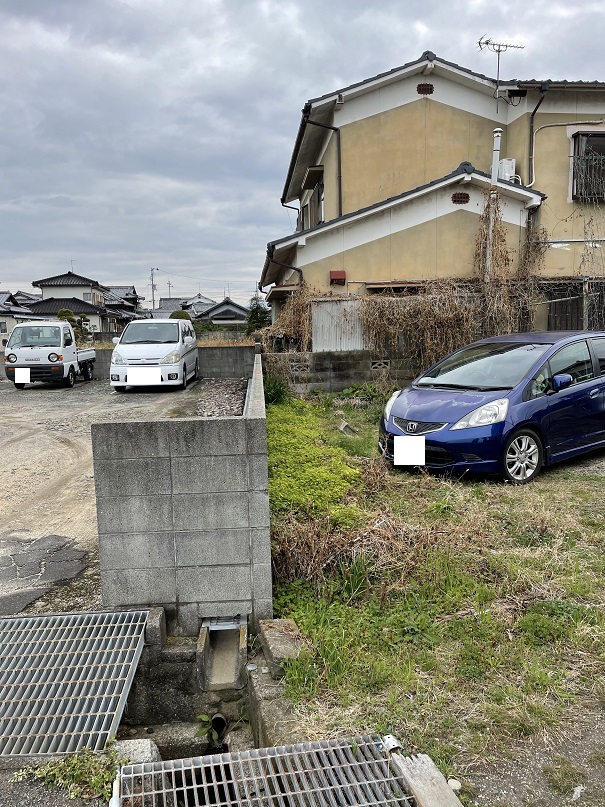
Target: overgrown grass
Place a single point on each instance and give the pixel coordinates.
(462, 615)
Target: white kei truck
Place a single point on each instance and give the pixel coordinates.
(46, 350)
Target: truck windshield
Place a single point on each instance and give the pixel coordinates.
(149, 332)
(35, 336)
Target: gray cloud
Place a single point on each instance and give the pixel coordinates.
(139, 133)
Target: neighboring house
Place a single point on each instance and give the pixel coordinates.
(121, 309)
(389, 176)
(108, 308)
(25, 297)
(98, 317)
(11, 312)
(225, 313)
(194, 305)
(198, 305)
(128, 294)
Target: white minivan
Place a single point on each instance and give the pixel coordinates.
(152, 352)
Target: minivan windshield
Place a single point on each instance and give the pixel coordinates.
(489, 366)
(148, 332)
(35, 336)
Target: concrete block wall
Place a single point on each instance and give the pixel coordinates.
(334, 372)
(183, 514)
(227, 361)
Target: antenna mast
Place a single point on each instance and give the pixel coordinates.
(497, 48)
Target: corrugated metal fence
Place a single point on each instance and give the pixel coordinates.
(336, 326)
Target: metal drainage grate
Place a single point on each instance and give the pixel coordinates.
(225, 622)
(64, 679)
(325, 773)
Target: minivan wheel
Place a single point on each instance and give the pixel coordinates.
(184, 381)
(196, 373)
(19, 386)
(523, 457)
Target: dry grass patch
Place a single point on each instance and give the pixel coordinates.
(463, 614)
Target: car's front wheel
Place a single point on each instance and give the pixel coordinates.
(523, 457)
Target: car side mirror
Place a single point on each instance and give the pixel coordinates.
(561, 381)
(115, 340)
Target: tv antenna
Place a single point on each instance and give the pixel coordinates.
(497, 48)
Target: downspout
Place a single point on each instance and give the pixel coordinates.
(530, 168)
(492, 199)
(338, 154)
(270, 259)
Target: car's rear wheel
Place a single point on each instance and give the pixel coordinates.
(523, 457)
(87, 371)
(120, 389)
(19, 386)
(196, 374)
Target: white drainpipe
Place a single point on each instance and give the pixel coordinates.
(496, 156)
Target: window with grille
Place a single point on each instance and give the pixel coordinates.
(589, 166)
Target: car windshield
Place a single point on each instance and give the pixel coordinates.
(35, 336)
(150, 332)
(488, 366)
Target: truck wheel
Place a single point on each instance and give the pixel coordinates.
(70, 378)
(87, 371)
(19, 386)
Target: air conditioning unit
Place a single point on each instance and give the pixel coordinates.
(506, 169)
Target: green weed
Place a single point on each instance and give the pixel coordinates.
(562, 775)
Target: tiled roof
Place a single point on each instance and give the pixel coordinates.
(67, 279)
(54, 304)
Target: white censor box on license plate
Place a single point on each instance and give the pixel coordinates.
(408, 449)
(21, 375)
(144, 375)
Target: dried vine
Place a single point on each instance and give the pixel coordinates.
(441, 315)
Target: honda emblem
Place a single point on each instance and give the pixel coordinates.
(412, 426)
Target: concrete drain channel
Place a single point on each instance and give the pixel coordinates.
(67, 680)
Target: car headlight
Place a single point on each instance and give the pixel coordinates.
(117, 359)
(171, 358)
(389, 406)
(485, 415)
(11, 358)
(52, 357)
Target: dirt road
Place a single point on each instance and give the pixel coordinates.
(48, 527)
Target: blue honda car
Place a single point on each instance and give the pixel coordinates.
(506, 405)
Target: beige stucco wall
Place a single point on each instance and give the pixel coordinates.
(406, 147)
(563, 219)
(436, 249)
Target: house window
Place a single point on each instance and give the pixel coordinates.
(3, 327)
(87, 296)
(589, 166)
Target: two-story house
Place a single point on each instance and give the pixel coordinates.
(389, 177)
(107, 309)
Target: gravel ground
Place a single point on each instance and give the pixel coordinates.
(46, 476)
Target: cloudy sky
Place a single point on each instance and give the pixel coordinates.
(157, 133)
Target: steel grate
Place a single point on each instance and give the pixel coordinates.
(64, 679)
(325, 773)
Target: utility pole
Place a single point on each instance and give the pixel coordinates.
(169, 285)
(153, 288)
